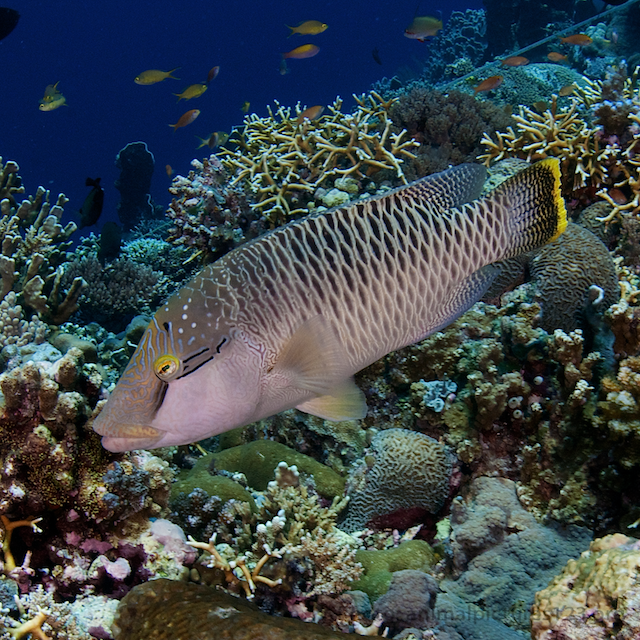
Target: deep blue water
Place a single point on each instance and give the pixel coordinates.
(95, 50)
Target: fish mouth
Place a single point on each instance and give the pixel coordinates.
(119, 444)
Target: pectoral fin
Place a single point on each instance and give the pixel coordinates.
(345, 402)
(313, 360)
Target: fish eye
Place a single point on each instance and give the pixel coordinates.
(166, 367)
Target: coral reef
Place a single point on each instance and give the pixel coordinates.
(33, 252)
(595, 596)
(284, 161)
(448, 127)
(209, 215)
(168, 610)
(404, 470)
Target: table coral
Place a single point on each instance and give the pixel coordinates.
(403, 470)
(596, 593)
(284, 161)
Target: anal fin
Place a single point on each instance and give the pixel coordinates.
(344, 402)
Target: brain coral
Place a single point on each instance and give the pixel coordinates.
(405, 470)
(565, 271)
(602, 581)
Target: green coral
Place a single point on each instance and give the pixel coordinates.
(379, 565)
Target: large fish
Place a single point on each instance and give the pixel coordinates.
(287, 319)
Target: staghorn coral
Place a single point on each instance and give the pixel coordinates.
(448, 127)
(284, 161)
(595, 595)
(403, 470)
(10, 181)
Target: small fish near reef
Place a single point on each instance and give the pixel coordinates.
(567, 90)
(578, 39)
(556, 56)
(287, 319)
(491, 83)
(312, 113)
(52, 98)
(216, 139)
(302, 52)
(245, 107)
(213, 73)
(185, 119)
(515, 61)
(8, 21)
(308, 28)
(153, 76)
(168, 170)
(93, 203)
(192, 91)
(283, 69)
(375, 54)
(423, 27)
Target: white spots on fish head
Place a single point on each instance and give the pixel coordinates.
(194, 325)
(180, 330)
(184, 316)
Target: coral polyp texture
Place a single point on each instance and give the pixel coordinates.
(404, 470)
(595, 596)
(284, 158)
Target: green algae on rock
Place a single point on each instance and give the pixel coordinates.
(170, 610)
(257, 460)
(380, 565)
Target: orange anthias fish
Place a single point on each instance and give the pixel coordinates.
(310, 114)
(580, 39)
(489, 84)
(308, 28)
(556, 56)
(515, 61)
(186, 118)
(422, 27)
(567, 90)
(302, 52)
(169, 170)
(192, 91)
(154, 75)
(213, 73)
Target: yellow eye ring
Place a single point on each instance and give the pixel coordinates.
(166, 367)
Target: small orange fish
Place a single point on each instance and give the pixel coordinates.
(515, 61)
(186, 118)
(303, 51)
(310, 114)
(169, 170)
(617, 196)
(213, 73)
(422, 27)
(308, 28)
(555, 56)
(489, 84)
(579, 39)
(567, 90)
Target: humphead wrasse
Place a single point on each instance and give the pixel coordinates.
(286, 320)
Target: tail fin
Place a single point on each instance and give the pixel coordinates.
(536, 210)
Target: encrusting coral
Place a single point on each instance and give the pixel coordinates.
(285, 160)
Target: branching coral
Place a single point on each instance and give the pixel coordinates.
(33, 247)
(285, 161)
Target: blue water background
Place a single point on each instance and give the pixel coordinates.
(95, 50)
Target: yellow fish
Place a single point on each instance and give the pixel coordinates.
(245, 107)
(214, 140)
(422, 27)
(308, 28)
(52, 98)
(154, 75)
(192, 91)
(302, 52)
